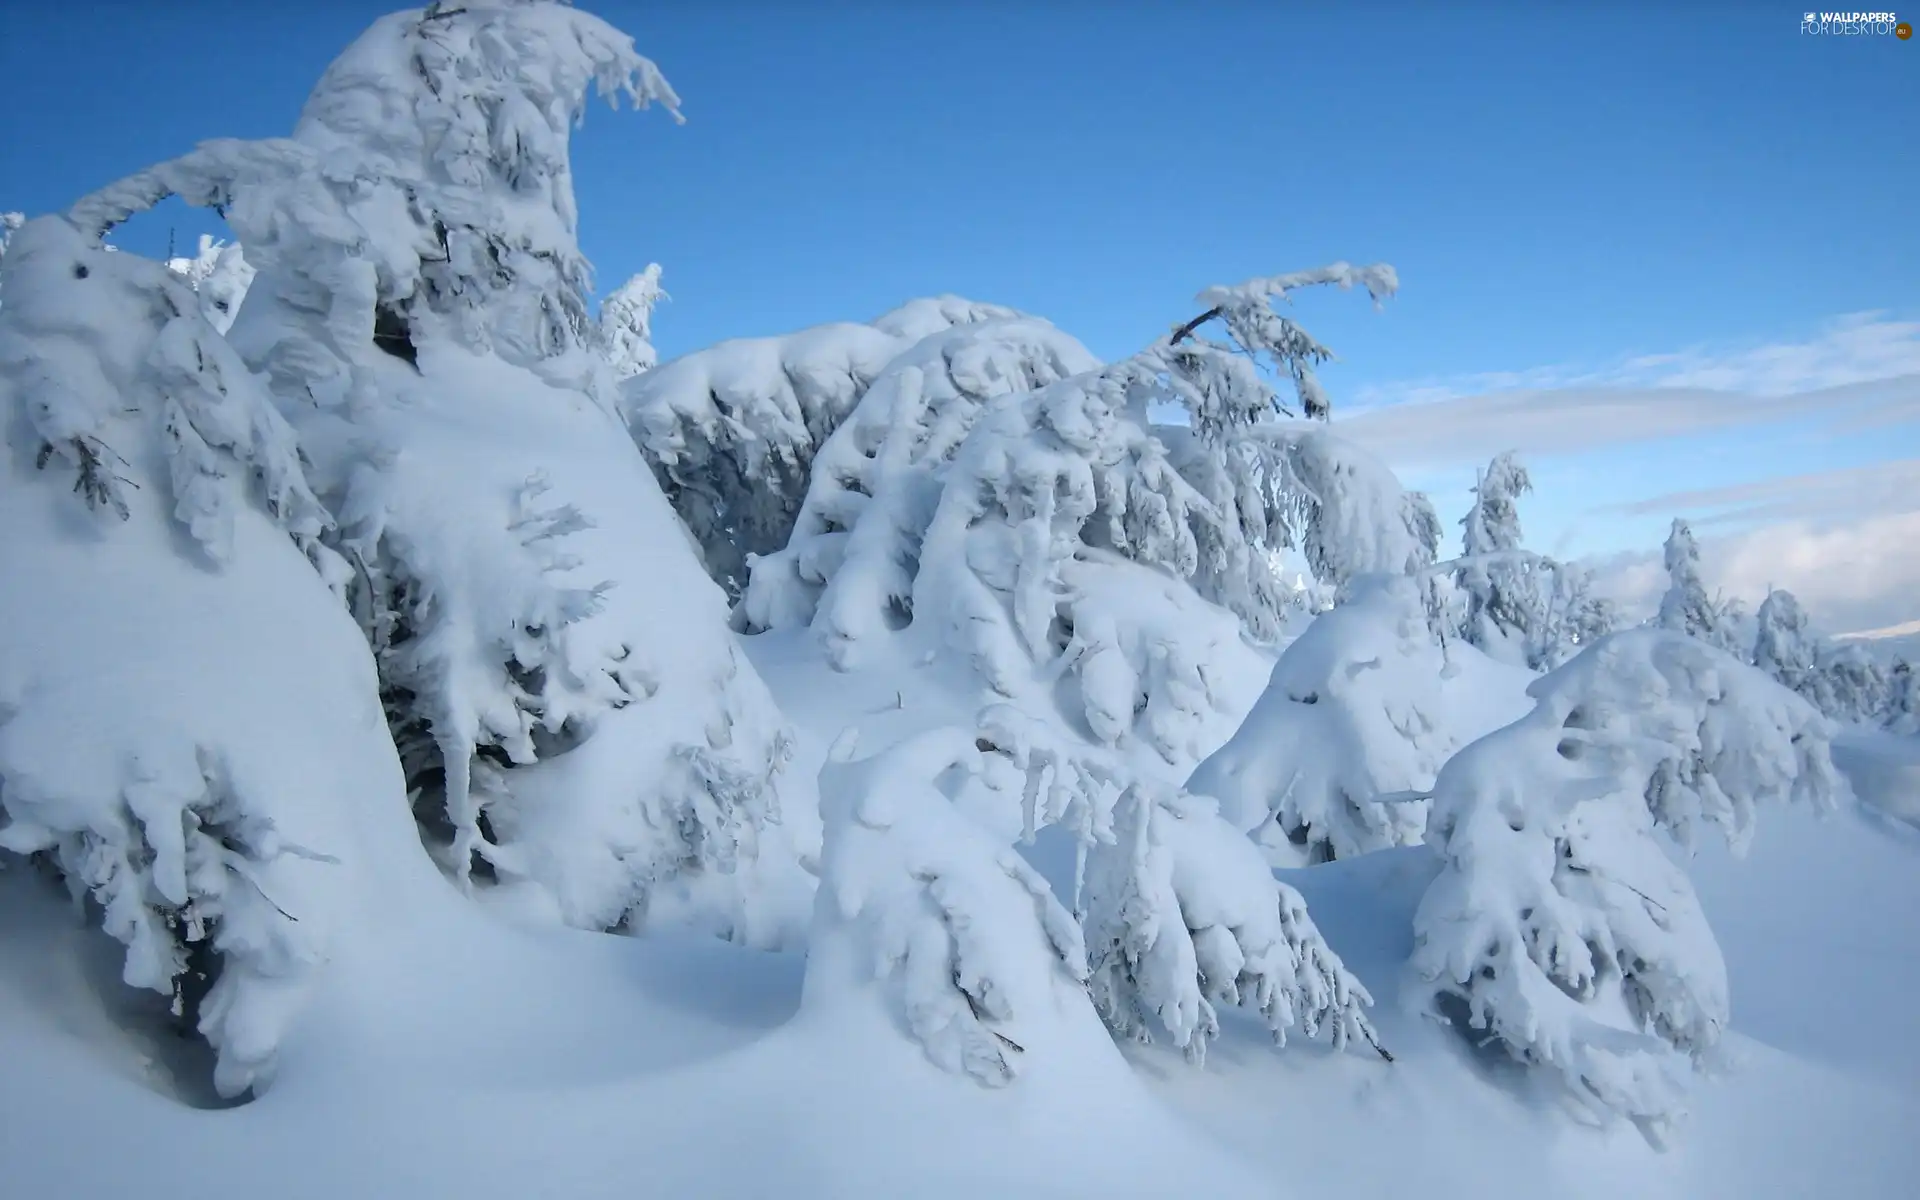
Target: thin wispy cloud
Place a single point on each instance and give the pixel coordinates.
(1859, 372)
(1882, 487)
(1854, 348)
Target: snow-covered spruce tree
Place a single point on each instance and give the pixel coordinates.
(1786, 648)
(626, 324)
(198, 773)
(1519, 607)
(1056, 532)
(1350, 722)
(557, 668)
(219, 273)
(974, 956)
(1560, 925)
(1182, 913)
(1577, 617)
(855, 543)
(1179, 909)
(1503, 601)
(731, 431)
(1686, 607)
(1841, 680)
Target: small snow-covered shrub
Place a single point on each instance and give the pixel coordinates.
(1350, 722)
(1182, 913)
(1180, 910)
(1560, 924)
(973, 955)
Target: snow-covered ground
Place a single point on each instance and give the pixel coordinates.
(462, 1053)
(393, 710)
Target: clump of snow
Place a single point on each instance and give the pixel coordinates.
(87, 333)
(221, 275)
(928, 315)
(978, 957)
(187, 721)
(1559, 923)
(1352, 727)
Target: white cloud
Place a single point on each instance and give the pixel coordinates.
(1855, 348)
(1860, 576)
(1883, 487)
(1860, 371)
(1847, 541)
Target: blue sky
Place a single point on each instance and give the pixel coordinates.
(1563, 188)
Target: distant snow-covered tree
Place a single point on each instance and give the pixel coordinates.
(1686, 607)
(1559, 924)
(1842, 680)
(1851, 686)
(1785, 648)
(626, 324)
(1902, 714)
(1518, 606)
(1577, 616)
(557, 669)
(1502, 599)
(185, 767)
(1350, 723)
(732, 430)
(977, 960)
